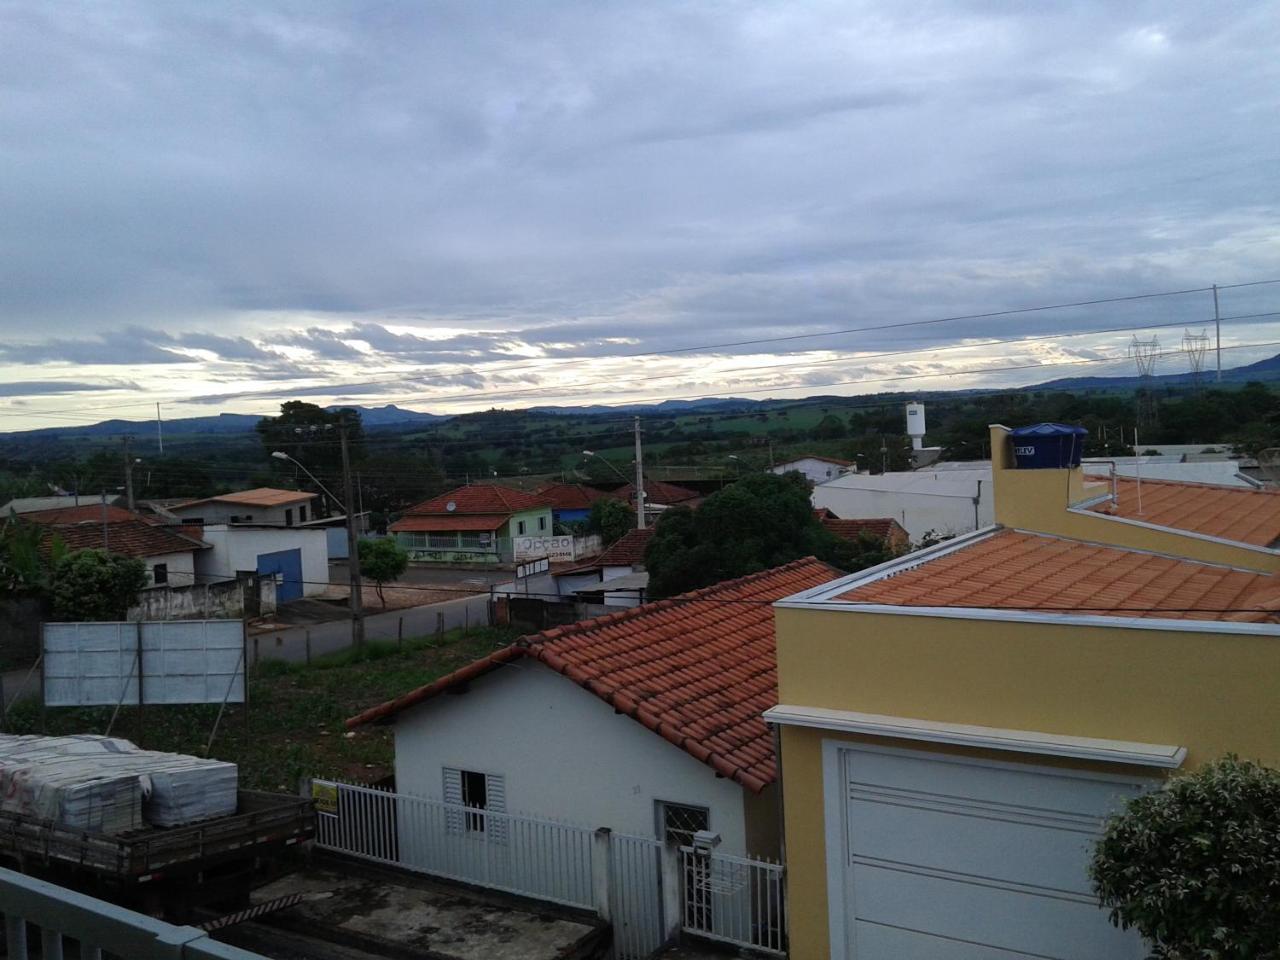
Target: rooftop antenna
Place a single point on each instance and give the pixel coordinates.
(1195, 346)
(1144, 354)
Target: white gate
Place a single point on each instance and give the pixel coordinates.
(534, 858)
(635, 896)
(734, 899)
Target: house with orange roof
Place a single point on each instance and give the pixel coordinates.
(648, 721)
(264, 506)
(475, 523)
(570, 502)
(955, 725)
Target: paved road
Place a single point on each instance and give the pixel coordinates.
(291, 644)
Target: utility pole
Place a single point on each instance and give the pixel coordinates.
(639, 480)
(128, 472)
(1217, 324)
(159, 430)
(353, 550)
(106, 537)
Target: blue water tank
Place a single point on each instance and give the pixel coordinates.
(1048, 446)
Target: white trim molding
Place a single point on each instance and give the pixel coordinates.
(1163, 756)
(1082, 510)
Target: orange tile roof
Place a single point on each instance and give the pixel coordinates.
(882, 528)
(131, 538)
(85, 513)
(813, 456)
(479, 498)
(1233, 513)
(656, 491)
(627, 551)
(570, 496)
(258, 497)
(1013, 570)
(699, 669)
(447, 522)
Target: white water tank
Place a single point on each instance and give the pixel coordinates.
(915, 425)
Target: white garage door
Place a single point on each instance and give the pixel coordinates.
(953, 859)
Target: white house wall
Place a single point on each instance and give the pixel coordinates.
(814, 470)
(181, 572)
(237, 548)
(563, 753)
(942, 507)
(218, 513)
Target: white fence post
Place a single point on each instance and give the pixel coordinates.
(673, 893)
(601, 870)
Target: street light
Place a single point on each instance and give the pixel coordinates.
(281, 455)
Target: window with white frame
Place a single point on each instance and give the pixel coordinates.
(481, 795)
(542, 523)
(520, 528)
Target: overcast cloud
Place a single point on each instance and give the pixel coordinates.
(456, 204)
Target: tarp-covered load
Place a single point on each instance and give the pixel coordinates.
(109, 785)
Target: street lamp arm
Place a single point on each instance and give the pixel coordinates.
(281, 455)
(607, 462)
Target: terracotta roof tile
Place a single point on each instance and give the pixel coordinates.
(1013, 570)
(479, 498)
(626, 551)
(1233, 513)
(570, 496)
(882, 528)
(699, 669)
(656, 491)
(258, 497)
(85, 513)
(129, 538)
(447, 522)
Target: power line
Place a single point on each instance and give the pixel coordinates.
(765, 340)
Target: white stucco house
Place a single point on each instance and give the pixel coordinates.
(264, 506)
(943, 503)
(815, 469)
(647, 721)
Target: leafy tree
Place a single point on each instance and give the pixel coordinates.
(309, 434)
(1195, 867)
(611, 519)
(762, 521)
(830, 427)
(382, 561)
(96, 585)
(24, 566)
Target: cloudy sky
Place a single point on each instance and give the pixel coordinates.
(219, 206)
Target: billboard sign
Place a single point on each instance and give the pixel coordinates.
(170, 661)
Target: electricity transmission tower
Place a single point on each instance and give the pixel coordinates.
(1195, 345)
(1145, 353)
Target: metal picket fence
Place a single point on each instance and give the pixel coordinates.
(531, 857)
(734, 899)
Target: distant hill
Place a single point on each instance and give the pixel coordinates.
(391, 416)
(1264, 370)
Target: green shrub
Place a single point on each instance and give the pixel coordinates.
(1195, 867)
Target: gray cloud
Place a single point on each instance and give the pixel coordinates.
(33, 388)
(587, 180)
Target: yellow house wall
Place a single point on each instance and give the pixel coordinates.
(1039, 500)
(1211, 693)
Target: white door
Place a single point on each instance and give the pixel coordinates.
(948, 858)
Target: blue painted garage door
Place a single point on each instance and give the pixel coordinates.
(288, 564)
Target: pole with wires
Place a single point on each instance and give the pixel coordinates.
(639, 480)
(1217, 324)
(353, 549)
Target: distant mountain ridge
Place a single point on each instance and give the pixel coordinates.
(391, 415)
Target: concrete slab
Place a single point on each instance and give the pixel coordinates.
(419, 917)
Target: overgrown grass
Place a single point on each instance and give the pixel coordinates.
(294, 724)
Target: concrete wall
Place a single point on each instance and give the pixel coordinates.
(236, 549)
(530, 725)
(944, 507)
(223, 599)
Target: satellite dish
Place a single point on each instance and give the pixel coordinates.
(451, 506)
